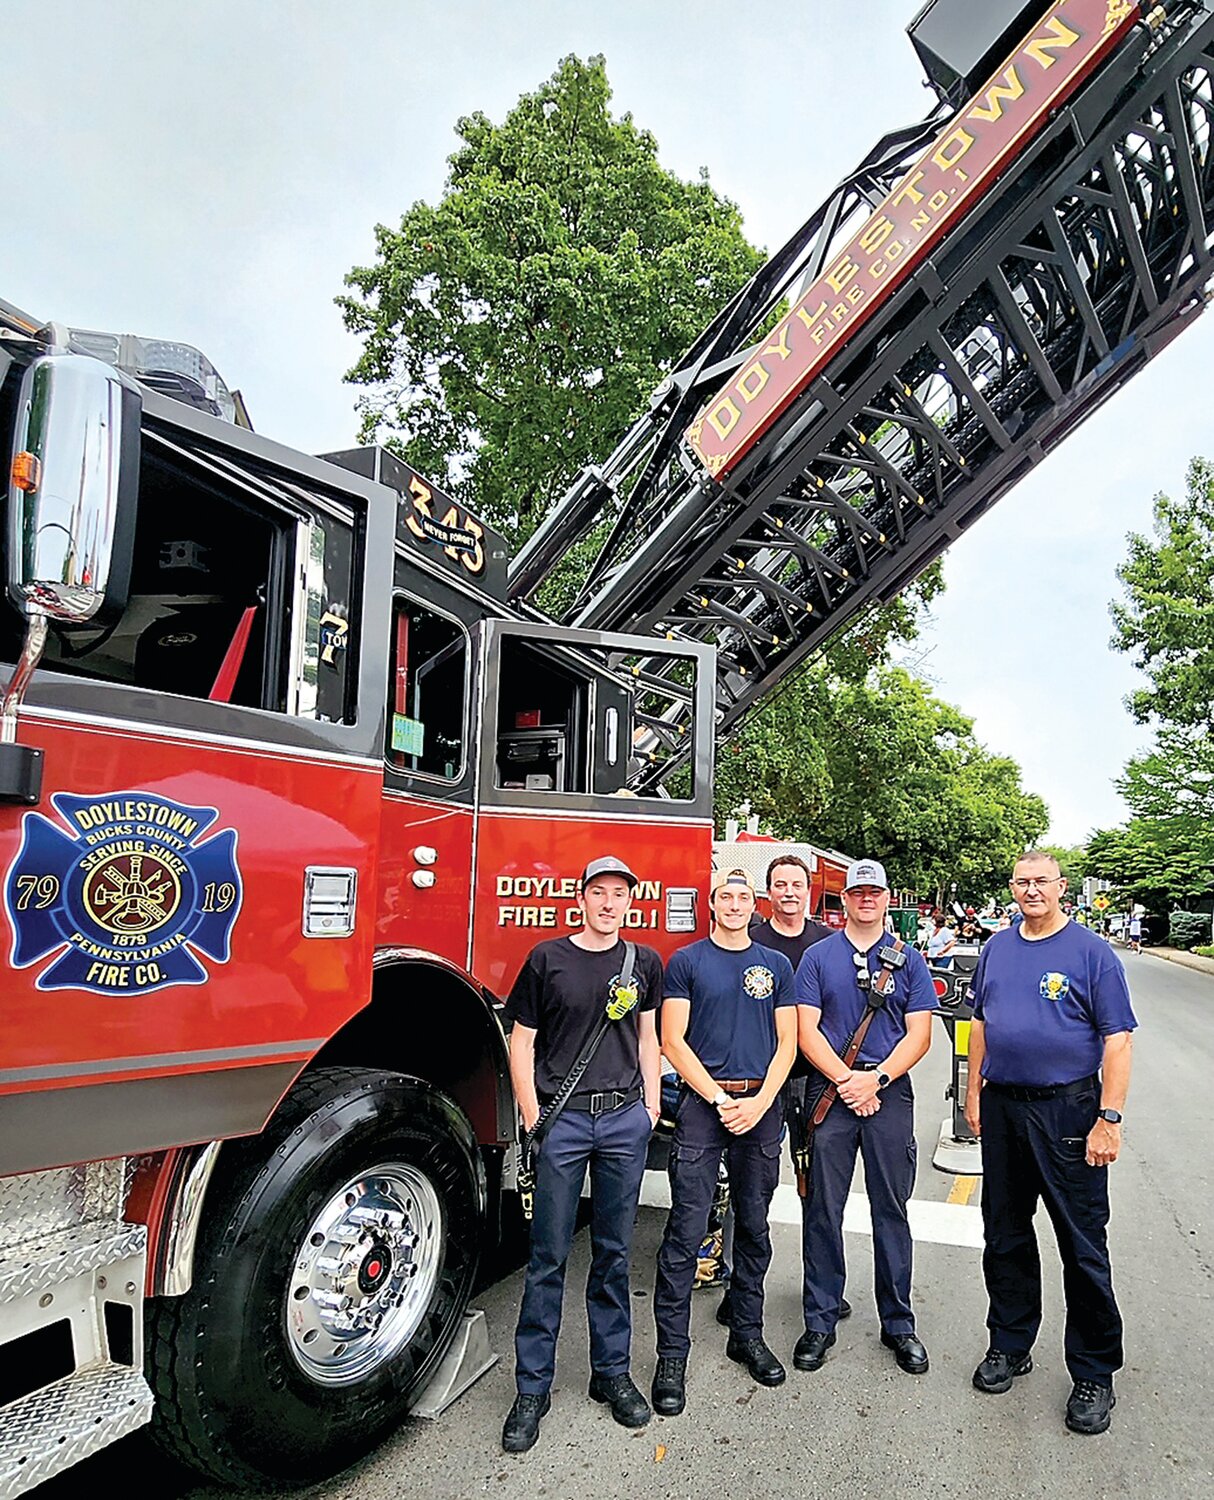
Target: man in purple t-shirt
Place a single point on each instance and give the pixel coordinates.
(1049, 1070)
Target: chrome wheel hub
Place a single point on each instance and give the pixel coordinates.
(364, 1274)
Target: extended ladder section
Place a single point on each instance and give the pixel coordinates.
(762, 508)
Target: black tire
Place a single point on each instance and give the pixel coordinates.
(232, 1396)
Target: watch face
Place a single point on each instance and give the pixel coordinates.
(1111, 1115)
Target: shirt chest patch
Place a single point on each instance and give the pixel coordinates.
(1054, 986)
(758, 982)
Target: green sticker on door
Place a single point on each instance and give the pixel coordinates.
(408, 735)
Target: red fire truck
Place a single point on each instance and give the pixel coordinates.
(294, 771)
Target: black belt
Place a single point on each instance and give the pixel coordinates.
(604, 1101)
(1029, 1094)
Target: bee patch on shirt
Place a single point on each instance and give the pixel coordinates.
(1055, 986)
(758, 982)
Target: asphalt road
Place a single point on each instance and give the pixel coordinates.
(859, 1427)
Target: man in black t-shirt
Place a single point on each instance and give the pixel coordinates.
(560, 995)
(790, 929)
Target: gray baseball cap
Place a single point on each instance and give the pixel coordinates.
(607, 864)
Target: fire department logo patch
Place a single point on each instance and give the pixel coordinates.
(758, 982)
(129, 897)
(1055, 986)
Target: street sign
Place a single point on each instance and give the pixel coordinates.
(1101, 903)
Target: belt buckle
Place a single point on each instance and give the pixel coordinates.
(603, 1103)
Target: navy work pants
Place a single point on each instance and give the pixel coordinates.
(1035, 1150)
(614, 1146)
(753, 1161)
(886, 1143)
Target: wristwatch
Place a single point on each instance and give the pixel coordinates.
(719, 1098)
(883, 1080)
(1113, 1116)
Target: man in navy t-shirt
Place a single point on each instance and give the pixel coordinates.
(1049, 1070)
(873, 1114)
(729, 1028)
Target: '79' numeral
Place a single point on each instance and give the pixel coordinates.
(45, 887)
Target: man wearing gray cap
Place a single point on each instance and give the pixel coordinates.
(558, 1004)
(864, 1007)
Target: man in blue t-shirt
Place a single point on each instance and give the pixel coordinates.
(837, 982)
(729, 1027)
(1049, 1070)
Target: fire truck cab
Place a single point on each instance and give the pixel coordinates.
(289, 789)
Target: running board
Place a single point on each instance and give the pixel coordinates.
(50, 1430)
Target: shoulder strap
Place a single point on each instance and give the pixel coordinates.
(623, 1000)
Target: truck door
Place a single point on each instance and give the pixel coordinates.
(190, 908)
(591, 742)
(430, 759)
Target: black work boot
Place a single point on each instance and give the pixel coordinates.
(810, 1353)
(523, 1422)
(758, 1359)
(628, 1406)
(998, 1369)
(1090, 1407)
(908, 1351)
(669, 1390)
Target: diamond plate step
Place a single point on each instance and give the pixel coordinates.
(54, 1258)
(46, 1432)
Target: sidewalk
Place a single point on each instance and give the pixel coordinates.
(1186, 960)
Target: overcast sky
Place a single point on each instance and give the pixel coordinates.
(210, 171)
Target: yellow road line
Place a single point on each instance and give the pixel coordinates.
(962, 1190)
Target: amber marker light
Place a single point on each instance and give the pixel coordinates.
(27, 471)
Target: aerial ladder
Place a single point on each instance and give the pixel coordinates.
(982, 281)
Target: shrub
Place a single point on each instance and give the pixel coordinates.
(1206, 952)
(1188, 928)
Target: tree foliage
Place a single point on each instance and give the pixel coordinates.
(1160, 862)
(513, 331)
(1166, 621)
(875, 765)
(1164, 856)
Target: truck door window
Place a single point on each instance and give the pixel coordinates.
(543, 722)
(427, 715)
(233, 598)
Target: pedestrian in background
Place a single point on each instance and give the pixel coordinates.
(1049, 1070)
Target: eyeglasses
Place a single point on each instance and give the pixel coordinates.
(1040, 881)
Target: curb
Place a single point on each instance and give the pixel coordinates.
(1192, 961)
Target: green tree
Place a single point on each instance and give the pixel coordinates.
(1166, 622)
(1160, 862)
(1174, 778)
(876, 765)
(513, 331)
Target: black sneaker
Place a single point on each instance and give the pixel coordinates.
(669, 1390)
(844, 1308)
(758, 1359)
(908, 1351)
(523, 1422)
(810, 1353)
(1090, 1407)
(998, 1369)
(628, 1406)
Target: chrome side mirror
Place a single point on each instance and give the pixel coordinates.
(73, 488)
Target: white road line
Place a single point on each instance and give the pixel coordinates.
(932, 1223)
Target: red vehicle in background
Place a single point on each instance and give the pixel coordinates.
(754, 852)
